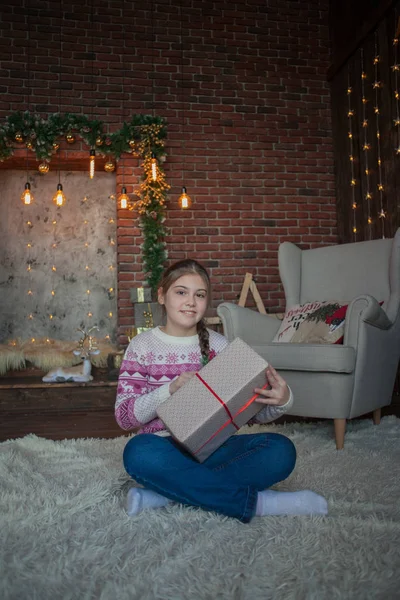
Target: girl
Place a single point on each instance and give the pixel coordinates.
(233, 481)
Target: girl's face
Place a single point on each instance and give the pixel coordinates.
(185, 303)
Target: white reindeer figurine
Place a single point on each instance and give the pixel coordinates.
(79, 373)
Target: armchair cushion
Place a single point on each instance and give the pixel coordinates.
(313, 322)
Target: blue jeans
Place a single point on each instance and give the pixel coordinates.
(227, 482)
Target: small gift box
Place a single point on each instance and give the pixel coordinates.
(148, 314)
(141, 294)
(217, 401)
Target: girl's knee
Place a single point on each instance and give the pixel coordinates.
(285, 452)
(141, 454)
(137, 452)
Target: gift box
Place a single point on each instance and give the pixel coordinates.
(141, 294)
(217, 401)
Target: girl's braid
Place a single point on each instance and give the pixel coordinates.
(204, 340)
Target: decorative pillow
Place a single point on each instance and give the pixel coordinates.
(314, 323)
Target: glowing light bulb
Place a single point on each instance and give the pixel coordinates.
(54, 268)
(29, 292)
(123, 199)
(153, 167)
(90, 314)
(53, 293)
(92, 163)
(110, 314)
(184, 199)
(27, 196)
(59, 196)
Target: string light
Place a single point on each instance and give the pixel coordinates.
(380, 185)
(395, 69)
(350, 115)
(366, 145)
(87, 267)
(27, 196)
(29, 262)
(184, 199)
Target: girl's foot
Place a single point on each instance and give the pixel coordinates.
(139, 499)
(304, 502)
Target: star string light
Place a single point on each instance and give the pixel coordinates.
(377, 86)
(366, 144)
(54, 245)
(112, 280)
(29, 270)
(87, 267)
(350, 115)
(396, 70)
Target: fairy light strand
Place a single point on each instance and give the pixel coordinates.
(350, 115)
(29, 270)
(376, 86)
(54, 246)
(396, 69)
(87, 267)
(366, 145)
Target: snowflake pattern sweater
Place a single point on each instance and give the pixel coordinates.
(152, 361)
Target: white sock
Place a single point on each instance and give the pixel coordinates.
(304, 502)
(139, 499)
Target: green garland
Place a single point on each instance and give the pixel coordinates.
(143, 136)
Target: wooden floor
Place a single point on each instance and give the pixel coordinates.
(73, 410)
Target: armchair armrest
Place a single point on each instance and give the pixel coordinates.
(364, 310)
(251, 326)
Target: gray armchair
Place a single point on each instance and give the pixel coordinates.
(334, 381)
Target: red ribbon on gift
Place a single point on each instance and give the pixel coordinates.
(231, 417)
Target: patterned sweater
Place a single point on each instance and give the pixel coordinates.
(152, 361)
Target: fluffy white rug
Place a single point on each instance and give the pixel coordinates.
(64, 533)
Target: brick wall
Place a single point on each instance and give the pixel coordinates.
(257, 152)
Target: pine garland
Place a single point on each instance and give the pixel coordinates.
(143, 137)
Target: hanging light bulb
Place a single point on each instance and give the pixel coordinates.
(184, 199)
(92, 161)
(59, 197)
(27, 196)
(123, 199)
(153, 167)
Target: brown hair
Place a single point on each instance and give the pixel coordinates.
(174, 272)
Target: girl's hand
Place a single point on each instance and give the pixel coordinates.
(180, 381)
(278, 393)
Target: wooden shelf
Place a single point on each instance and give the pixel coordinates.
(57, 410)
